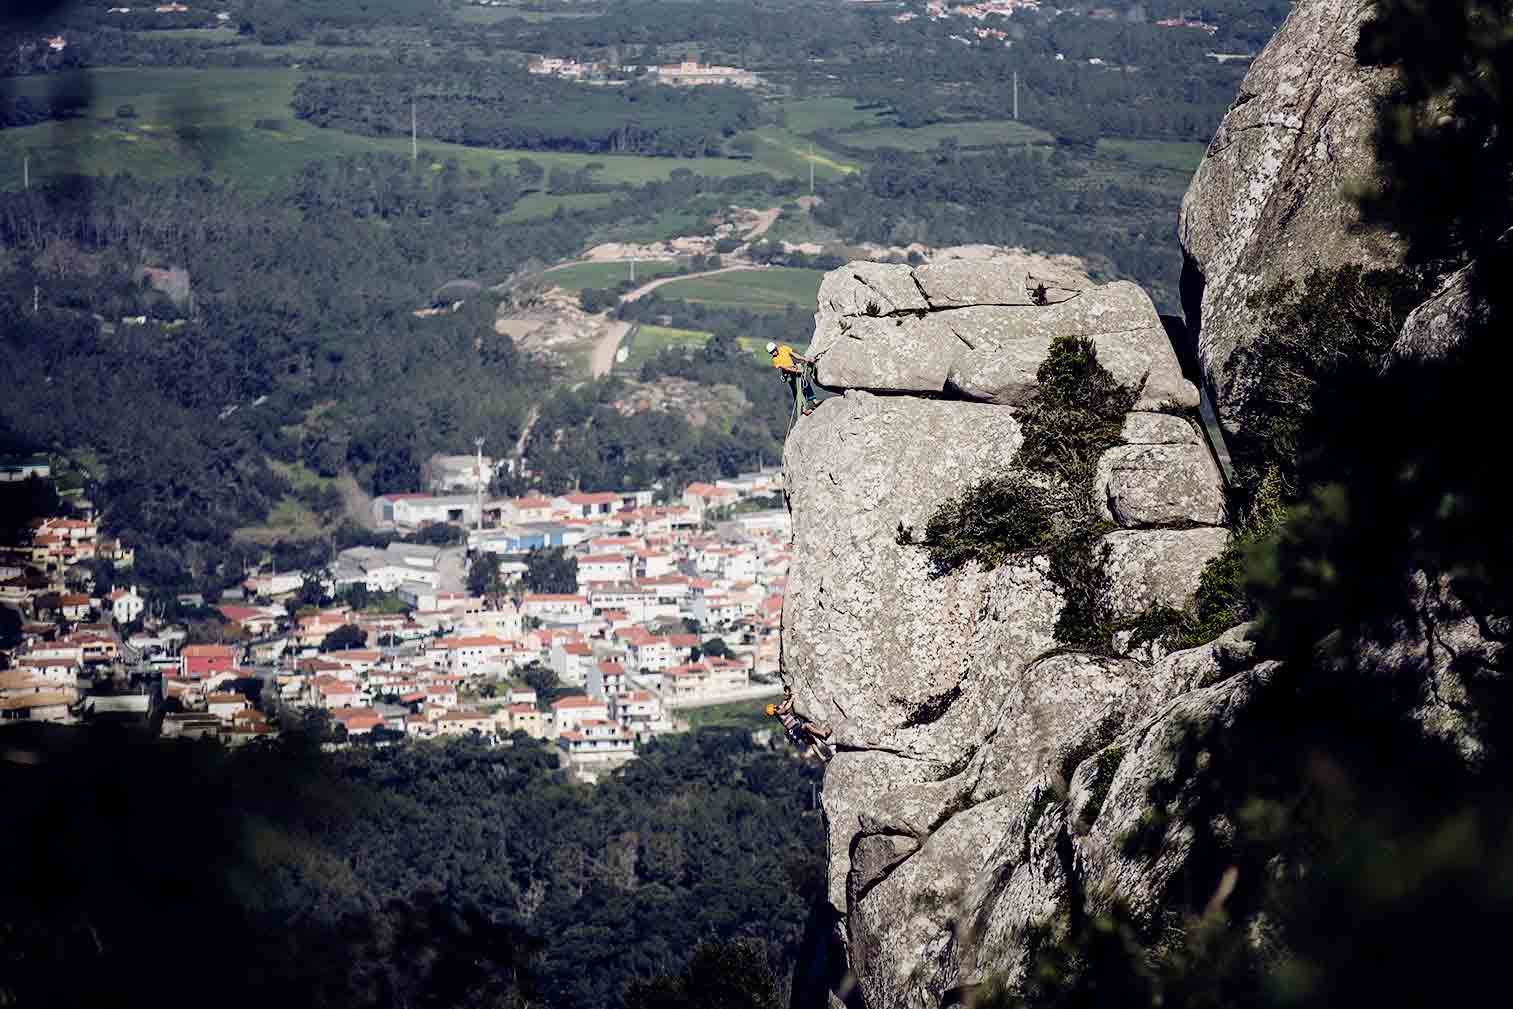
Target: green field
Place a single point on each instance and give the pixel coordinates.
(647, 341)
(921, 138)
(809, 114)
(1176, 156)
(535, 206)
(187, 119)
(775, 288)
(784, 152)
(577, 276)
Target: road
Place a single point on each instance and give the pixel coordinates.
(603, 357)
(765, 220)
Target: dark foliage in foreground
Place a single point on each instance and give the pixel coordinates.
(436, 875)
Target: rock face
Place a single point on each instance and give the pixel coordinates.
(959, 724)
(979, 330)
(1271, 201)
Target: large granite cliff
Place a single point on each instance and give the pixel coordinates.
(966, 736)
(1273, 199)
(988, 781)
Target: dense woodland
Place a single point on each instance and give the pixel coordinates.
(440, 875)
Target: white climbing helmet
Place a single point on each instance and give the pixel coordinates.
(771, 346)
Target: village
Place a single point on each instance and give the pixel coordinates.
(662, 607)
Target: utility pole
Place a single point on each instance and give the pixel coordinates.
(36, 298)
(1016, 96)
(633, 270)
(811, 169)
(414, 142)
(478, 487)
(26, 171)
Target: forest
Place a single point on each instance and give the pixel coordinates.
(482, 105)
(1058, 200)
(441, 874)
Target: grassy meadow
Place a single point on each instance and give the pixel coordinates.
(772, 289)
(1171, 155)
(578, 276)
(647, 341)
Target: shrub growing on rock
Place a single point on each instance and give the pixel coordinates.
(994, 519)
(1044, 504)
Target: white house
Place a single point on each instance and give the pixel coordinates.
(225, 705)
(603, 568)
(606, 679)
(564, 609)
(597, 740)
(650, 653)
(126, 605)
(471, 656)
(717, 610)
(636, 711)
(415, 510)
(570, 712)
(586, 506)
(571, 661)
(700, 498)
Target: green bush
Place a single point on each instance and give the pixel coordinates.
(1087, 612)
(994, 519)
(1045, 504)
(1077, 413)
(1223, 599)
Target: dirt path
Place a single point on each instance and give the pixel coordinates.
(603, 357)
(647, 288)
(767, 218)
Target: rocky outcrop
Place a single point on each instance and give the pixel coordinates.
(978, 330)
(1272, 199)
(957, 719)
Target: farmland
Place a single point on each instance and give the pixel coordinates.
(578, 276)
(784, 152)
(975, 134)
(648, 341)
(206, 118)
(770, 289)
(810, 114)
(1171, 155)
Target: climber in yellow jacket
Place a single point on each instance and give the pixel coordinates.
(797, 371)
